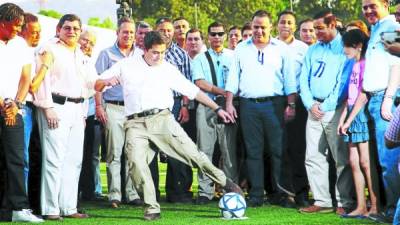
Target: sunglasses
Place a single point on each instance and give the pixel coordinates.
(213, 34)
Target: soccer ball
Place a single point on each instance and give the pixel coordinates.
(232, 205)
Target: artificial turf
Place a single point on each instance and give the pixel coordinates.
(187, 214)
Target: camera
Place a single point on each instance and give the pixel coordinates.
(390, 37)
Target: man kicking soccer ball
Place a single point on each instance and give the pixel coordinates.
(147, 83)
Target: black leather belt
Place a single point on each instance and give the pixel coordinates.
(30, 104)
(375, 93)
(149, 112)
(59, 99)
(320, 100)
(121, 103)
(262, 99)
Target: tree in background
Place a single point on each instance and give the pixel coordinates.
(50, 13)
(229, 12)
(107, 23)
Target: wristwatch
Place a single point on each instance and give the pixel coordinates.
(292, 105)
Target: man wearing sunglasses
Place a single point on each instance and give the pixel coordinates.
(210, 70)
(262, 74)
(324, 74)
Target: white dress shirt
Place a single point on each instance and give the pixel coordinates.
(70, 75)
(147, 87)
(13, 57)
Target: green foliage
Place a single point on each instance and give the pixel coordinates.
(229, 12)
(50, 13)
(346, 10)
(107, 23)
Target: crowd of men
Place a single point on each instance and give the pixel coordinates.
(262, 112)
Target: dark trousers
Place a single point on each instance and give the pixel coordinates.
(12, 138)
(260, 122)
(294, 178)
(86, 179)
(35, 166)
(179, 175)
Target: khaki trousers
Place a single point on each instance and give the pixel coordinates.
(115, 135)
(168, 135)
(321, 136)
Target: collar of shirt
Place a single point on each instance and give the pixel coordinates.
(335, 43)
(116, 47)
(391, 18)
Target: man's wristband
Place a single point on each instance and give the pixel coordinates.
(217, 109)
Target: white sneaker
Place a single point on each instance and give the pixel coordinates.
(25, 215)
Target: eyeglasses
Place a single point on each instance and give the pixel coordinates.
(193, 39)
(68, 28)
(213, 34)
(370, 6)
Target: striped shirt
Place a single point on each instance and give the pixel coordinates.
(179, 58)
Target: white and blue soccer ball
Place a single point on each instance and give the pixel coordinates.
(232, 205)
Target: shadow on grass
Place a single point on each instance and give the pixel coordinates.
(186, 210)
(110, 216)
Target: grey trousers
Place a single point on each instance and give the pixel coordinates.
(208, 132)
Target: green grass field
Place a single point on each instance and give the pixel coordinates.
(185, 214)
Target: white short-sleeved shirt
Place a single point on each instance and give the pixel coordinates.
(147, 87)
(13, 57)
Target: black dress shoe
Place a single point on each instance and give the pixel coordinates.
(202, 200)
(152, 216)
(255, 202)
(380, 218)
(136, 202)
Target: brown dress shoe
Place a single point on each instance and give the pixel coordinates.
(340, 211)
(316, 209)
(52, 217)
(152, 216)
(115, 204)
(230, 186)
(78, 216)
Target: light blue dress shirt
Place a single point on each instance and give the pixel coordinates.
(377, 60)
(324, 74)
(262, 73)
(221, 61)
(106, 59)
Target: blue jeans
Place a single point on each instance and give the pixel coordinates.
(388, 159)
(28, 121)
(396, 219)
(262, 123)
